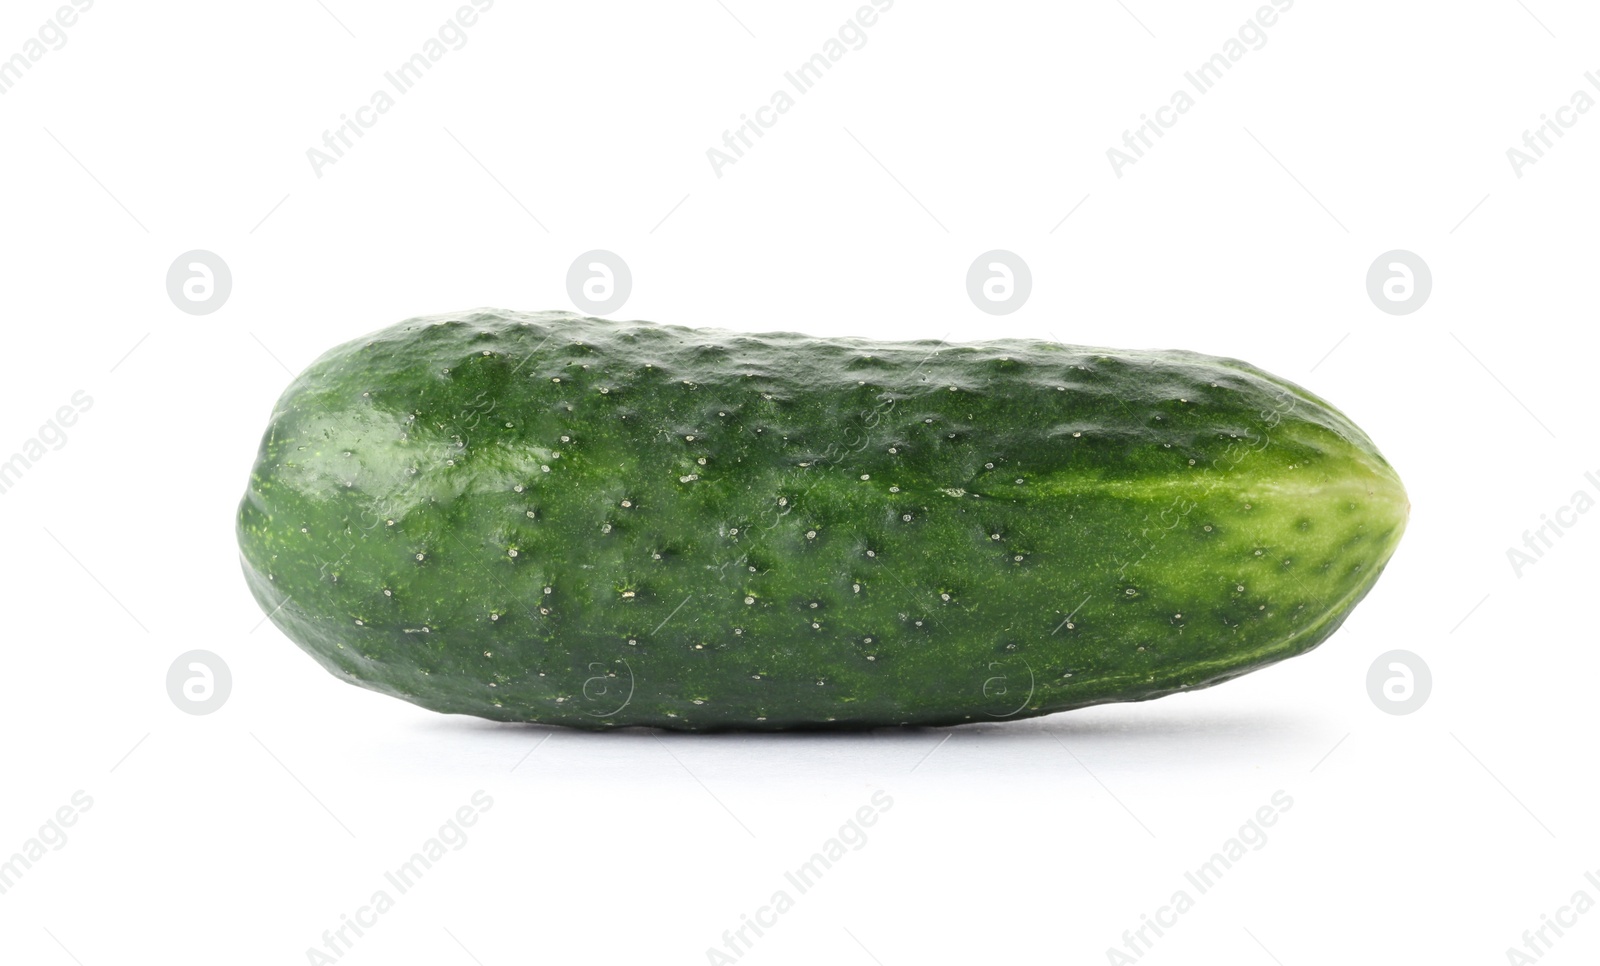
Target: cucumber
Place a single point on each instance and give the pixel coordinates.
(553, 518)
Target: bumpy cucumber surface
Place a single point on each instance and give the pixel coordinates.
(547, 517)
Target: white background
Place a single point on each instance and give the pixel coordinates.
(1360, 127)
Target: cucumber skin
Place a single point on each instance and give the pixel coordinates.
(553, 518)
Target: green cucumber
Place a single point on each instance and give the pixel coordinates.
(547, 517)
